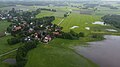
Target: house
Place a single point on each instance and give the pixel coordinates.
(17, 28)
(30, 30)
(47, 39)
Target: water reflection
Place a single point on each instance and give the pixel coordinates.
(105, 53)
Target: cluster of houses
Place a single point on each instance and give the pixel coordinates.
(29, 29)
(12, 14)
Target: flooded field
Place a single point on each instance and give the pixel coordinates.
(105, 53)
(10, 61)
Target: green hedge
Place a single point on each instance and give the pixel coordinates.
(22, 53)
(13, 41)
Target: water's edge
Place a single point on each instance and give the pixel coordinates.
(105, 53)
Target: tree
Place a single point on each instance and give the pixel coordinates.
(22, 52)
(81, 34)
(65, 15)
(13, 41)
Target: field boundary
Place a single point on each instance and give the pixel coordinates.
(61, 21)
(8, 52)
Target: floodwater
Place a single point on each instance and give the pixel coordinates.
(74, 27)
(99, 22)
(111, 30)
(10, 61)
(105, 53)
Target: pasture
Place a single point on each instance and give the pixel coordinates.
(57, 54)
(104, 11)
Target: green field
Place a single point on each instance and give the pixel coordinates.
(4, 46)
(57, 54)
(4, 25)
(104, 11)
(49, 13)
(60, 52)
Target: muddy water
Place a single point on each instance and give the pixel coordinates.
(105, 53)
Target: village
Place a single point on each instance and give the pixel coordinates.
(26, 26)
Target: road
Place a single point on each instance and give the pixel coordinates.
(8, 52)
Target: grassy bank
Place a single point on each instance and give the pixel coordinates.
(57, 54)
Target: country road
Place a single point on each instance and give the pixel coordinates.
(8, 52)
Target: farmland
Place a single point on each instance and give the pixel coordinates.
(59, 52)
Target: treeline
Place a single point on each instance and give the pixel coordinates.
(47, 19)
(75, 6)
(109, 6)
(90, 5)
(53, 10)
(37, 3)
(22, 52)
(113, 20)
(71, 35)
(5, 4)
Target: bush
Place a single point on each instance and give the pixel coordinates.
(30, 45)
(81, 34)
(70, 35)
(21, 57)
(73, 33)
(13, 41)
(99, 36)
(65, 15)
